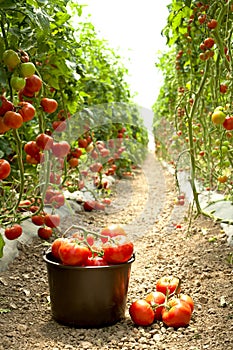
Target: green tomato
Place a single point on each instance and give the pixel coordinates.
(224, 149)
(18, 83)
(214, 153)
(27, 69)
(11, 59)
(226, 143)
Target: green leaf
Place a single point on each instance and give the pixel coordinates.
(2, 243)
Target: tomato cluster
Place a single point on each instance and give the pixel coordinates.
(110, 246)
(165, 304)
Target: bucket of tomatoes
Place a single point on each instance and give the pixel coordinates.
(88, 276)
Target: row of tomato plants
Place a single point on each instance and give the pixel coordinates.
(66, 120)
(193, 115)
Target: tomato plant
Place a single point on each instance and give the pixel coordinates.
(197, 81)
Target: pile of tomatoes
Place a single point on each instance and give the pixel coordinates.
(83, 248)
(165, 304)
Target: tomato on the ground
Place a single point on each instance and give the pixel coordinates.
(168, 284)
(141, 313)
(177, 313)
(155, 299)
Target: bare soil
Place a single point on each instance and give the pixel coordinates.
(197, 252)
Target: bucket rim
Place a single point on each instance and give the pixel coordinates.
(58, 264)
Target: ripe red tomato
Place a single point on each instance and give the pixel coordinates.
(72, 253)
(13, 120)
(33, 83)
(56, 245)
(112, 231)
(120, 251)
(27, 111)
(167, 284)
(141, 313)
(223, 88)
(155, 299)
(177, 313)
(44, 141)
(89, 205)
(13, 232)
(59, 125)
(77, 152)
(212, 24)
(3, 127)
(5, 169)
(228, 123)
(52, 220)
(73, 162)
(57, 200)
(96, 167)
(49, 105)
(209, 42)
(5, 105)
(188, 300)
(60, 149)
(82, 143)
(31, 148)
(38, 220)
(45, 232)
(96, 261)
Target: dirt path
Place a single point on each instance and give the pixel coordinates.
(145, 206)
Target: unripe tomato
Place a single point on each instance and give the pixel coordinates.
(218, 117)
(27, 69)
(11, 59)
(17, 83)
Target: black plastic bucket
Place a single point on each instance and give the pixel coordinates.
(90, 296)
